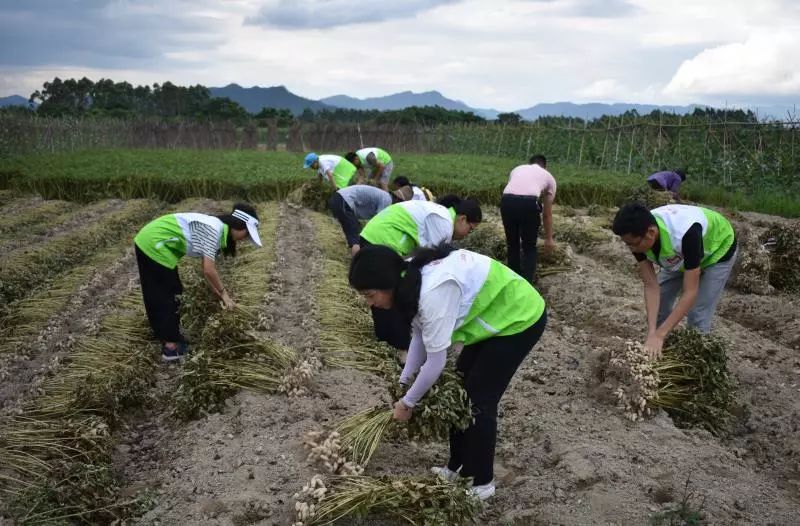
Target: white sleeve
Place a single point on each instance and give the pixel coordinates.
(415, 359)
(438, 313)
(438, 230)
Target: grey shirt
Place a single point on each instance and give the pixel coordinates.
(366, 201)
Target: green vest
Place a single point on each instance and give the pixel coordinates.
(495, 301)
(381, 155)
(164, 240)
(397, 228)
(343, 173)
(674, 221)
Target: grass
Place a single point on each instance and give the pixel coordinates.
(172, 175)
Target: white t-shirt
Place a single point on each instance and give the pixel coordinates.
(327, 163)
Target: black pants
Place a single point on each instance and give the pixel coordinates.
(390, 326)
(160, 289)
(521, 220)
(487, 367)
(351, 226)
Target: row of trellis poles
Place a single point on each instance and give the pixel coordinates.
(719, 152)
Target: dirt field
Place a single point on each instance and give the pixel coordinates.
(565, 454)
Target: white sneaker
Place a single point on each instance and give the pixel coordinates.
(445, 473)
(484, 491)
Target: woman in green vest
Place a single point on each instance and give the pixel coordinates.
(406, 226)
(159, 246)
(696, 250)
(456, 298)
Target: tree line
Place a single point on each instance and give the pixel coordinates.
(106, 98)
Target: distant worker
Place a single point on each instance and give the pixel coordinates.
(527, 202)
(333, 169)
(420, 193)
(159, 246)
(696, 250)
(668, 182)
(376, 161)
(352, 204)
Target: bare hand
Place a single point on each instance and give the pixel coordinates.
(227, 302)
(401, 413)
(654, 346)
(354, 249)
(549, 245)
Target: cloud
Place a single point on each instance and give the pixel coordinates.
(321, 14)
(764, 64)
(113, 34)
(603, 8)
(604, 90)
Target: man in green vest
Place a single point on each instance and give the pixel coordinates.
(696, 250)
(375, 160)
(333, 169)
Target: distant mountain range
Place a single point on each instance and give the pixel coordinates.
(255, 98)
(593, 110)
(404, 99)
(13, 100)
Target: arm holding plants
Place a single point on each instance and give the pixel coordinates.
(438, 311)
(329, 175)
(691, 285)
(212, 277)
(652, 294)
(428, 375)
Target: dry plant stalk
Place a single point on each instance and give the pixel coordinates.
(361, 434)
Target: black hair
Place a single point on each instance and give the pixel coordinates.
(633, 218)
(681, 173)
(234, 223)
(351, 156)
(381, 268)
(539, 159)
(466, 207)
(401, 180)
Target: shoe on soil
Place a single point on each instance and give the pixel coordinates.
(444, 473)
(170, 355)
(484, 491)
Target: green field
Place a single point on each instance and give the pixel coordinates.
(223, 174)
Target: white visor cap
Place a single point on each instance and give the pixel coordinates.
(252, 225)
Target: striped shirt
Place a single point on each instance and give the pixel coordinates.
(205, 239)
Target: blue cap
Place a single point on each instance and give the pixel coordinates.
(310, 159)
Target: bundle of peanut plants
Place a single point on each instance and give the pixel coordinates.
(753, 266)
(420, 501)
(690, 382)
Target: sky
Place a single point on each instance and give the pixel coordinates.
(501, 54)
